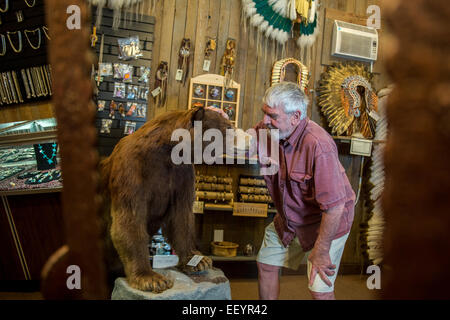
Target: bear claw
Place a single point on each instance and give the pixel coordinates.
(155, 283)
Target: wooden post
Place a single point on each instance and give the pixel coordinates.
(71, 61)
(415, 200)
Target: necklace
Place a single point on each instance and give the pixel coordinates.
(3, 45)
(33, 32)
(20, 40)
(49, 160)
(30, 5)
(6, 7)
(46, 32)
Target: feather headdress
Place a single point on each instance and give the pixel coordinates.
(346, 98)
(275, 19)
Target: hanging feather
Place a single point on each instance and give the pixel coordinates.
(270, 17)
(118, 6)
(309, 27)
(373, 233)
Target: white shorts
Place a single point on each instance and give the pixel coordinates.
(273, 253)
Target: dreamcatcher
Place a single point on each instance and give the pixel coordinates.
(276, 19)
(346, 98)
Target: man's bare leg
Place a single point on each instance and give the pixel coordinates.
(268, 281)
(322, 295)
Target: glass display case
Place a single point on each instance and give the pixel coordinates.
(29, 157)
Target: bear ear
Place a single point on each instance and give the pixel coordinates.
(198, 114)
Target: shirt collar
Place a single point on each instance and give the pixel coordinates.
(297, 133)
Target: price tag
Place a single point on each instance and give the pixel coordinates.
(198, 206)
(194, 261)
(250, 209)
(361, 147)
(374, 115)
(206, 65)
(179, 75)
(156, 92)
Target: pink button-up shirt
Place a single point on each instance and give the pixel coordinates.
(310, 181)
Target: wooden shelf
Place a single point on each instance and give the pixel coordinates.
(228, 208)
(28, 138)
(30, 191)
(348, 139)
(236, 258)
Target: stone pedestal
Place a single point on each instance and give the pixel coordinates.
(207, 285)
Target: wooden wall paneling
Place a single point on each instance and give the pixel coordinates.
(317, 66)
(28, 111)
(189, 32)
(200, 40)
(165, 49)
(179, 25)
(261, 79)
(350, 5)
(212, 30)
(241, 66)
(158, 14)
(222, 36)
(249, 86)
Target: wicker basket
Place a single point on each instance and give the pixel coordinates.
(224, 248)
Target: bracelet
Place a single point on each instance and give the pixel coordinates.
(35, 84)
(11, 85)
(30, 81)
(44, 83)
(2, 93)
(5, 86)
(3, 45)
(25, 83)
(17, 86)
(44, 72)
(38, 84)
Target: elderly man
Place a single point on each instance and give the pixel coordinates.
(312, 195)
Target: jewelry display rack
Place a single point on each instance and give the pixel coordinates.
(25, 75)
(143, 28)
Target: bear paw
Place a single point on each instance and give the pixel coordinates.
(154, 282)
(204, 264)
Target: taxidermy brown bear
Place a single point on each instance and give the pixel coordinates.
(147, 191)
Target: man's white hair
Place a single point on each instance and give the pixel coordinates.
(289, 96)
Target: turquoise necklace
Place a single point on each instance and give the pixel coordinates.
(49, 160)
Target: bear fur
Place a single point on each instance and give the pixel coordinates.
(145, 191)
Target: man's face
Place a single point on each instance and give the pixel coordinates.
(276, 118)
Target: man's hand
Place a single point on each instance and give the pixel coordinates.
(321, 265)
(320, 254)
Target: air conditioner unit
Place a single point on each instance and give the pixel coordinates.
(354, 41)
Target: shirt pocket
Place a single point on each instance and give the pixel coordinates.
(302, 184)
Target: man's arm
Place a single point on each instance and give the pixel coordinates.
(319, 256)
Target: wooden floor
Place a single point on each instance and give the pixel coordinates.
(348, 287)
